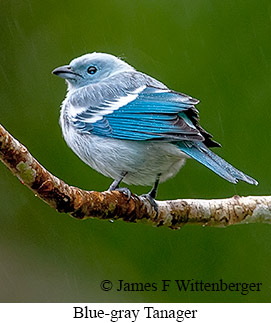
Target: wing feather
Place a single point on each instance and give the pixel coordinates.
(149, 113)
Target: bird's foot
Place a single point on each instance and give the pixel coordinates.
(124, 190)
(152, 201)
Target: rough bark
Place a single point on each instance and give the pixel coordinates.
(83, 204)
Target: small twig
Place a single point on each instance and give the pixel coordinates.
(115, 205)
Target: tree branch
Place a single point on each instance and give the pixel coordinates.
(115, 205)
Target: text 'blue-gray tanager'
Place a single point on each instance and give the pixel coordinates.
(131, 127)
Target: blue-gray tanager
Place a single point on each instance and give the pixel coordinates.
(131, 127)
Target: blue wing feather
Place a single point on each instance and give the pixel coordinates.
(153, 114)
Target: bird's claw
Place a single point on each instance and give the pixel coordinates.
(125, 191)
(152, 201)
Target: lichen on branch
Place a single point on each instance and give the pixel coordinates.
(115, 205)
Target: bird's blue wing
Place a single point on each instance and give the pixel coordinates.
(145, 114)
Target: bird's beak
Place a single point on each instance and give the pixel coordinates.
(65, 72)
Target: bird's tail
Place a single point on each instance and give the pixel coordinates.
(205, 156)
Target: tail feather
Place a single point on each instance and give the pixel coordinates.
(205, 156)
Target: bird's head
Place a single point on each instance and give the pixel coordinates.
(90, 68)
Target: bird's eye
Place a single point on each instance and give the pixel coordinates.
(92, 70)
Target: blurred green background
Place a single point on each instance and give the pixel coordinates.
(217, 51)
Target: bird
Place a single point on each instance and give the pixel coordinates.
(131, 127)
